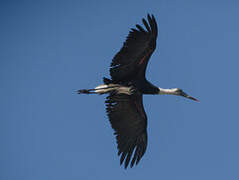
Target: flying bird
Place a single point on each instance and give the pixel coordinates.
(124, 104)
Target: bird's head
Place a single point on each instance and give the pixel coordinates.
(180, 92)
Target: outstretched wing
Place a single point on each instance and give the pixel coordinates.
(133, 57)
(128, 119)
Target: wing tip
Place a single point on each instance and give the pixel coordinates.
(153, 24)
(134, 153)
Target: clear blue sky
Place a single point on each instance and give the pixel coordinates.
(49, 49)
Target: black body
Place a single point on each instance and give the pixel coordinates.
(126, 112)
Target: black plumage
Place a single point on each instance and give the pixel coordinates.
(124, 104)
(129, 64)
(126, 112)
(129, 120)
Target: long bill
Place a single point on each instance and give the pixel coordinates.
(189, 97)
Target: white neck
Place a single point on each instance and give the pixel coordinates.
(168, 91)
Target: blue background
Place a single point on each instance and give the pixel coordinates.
(49, 49)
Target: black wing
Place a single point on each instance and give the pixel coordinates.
(133, 57)
(128, 119)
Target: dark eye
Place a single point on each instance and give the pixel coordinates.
(180, 90)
